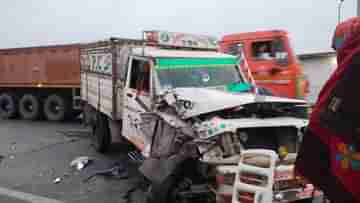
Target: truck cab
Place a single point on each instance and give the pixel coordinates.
(153, 72)
(187, 109)
(271, 59)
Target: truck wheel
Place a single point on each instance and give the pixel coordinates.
(89, 115)
(29, 107)
(8, 106)
(55, 108)
(101, 134)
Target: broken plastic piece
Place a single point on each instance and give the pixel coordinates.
(117, 171)
(57, 180)
(81, 162)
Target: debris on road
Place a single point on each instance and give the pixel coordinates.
(136, 157)
(118, 171)
(81, 162)
(13, 147)
(57, 180)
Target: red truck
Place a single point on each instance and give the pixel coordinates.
(271, 59)
(38, 82)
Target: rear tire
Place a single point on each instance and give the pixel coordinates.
(8, 106)
(29, 107)
(55, 108)
(101, 134)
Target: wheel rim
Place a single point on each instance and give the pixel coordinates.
(55, 107)
(28, 106)
(5, 105)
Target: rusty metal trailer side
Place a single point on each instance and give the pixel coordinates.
(36, 81)
(53, 66)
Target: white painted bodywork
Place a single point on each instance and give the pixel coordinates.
(277, 171)
(96, 89)
(262, 194)
(156, 52)
(232, 125)
(210, 100)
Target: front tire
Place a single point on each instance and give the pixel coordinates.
(8, 106)
(101, 134)
(29, 107)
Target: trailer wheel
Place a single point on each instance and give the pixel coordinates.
(101, 134)
(55, 108)
(29, 107)
(8, 106)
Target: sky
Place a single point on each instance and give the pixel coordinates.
(43, 22)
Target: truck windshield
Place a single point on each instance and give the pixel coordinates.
(269, 50)
(195, 75)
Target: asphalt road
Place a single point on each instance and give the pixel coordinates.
(35, 153)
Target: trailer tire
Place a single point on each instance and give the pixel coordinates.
(55, 108)
(101, 134)
(8, 106)
(29, 107)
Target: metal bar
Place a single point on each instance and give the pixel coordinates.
(114, 80)
(339, 10)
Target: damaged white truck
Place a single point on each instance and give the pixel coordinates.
(203, 134)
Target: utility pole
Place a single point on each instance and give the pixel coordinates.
(339, 9)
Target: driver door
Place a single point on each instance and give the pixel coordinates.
(137, 100)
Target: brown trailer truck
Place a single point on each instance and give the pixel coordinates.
(38, 82)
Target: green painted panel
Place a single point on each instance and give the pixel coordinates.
(169, 63)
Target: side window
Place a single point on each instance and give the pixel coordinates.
(235, 49)
(140, 76)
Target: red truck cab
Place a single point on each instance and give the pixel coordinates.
(271, 59)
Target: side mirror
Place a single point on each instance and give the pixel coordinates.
(281, 55)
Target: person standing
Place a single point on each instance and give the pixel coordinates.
(330, 153)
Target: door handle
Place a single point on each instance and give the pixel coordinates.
(129, 95)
